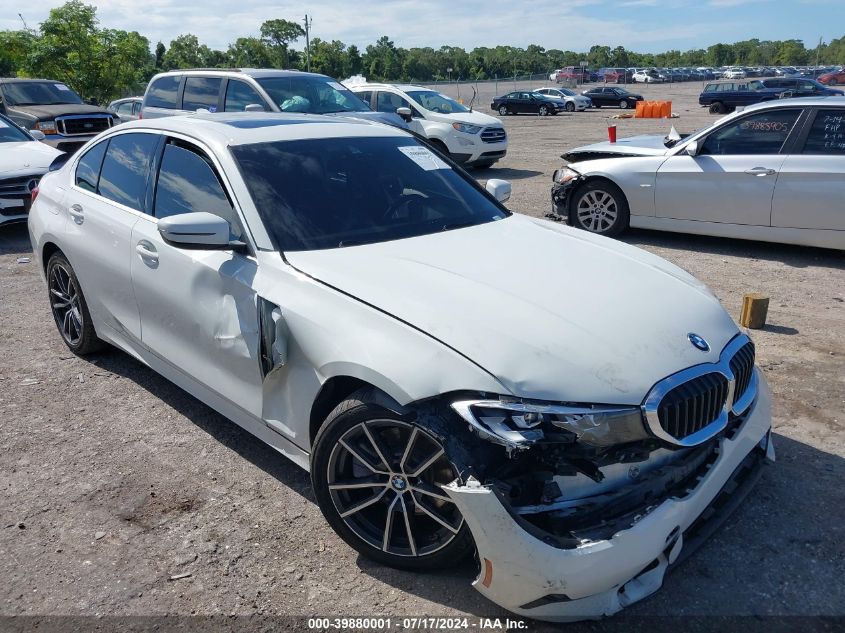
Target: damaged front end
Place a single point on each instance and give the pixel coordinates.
(585, 509)
(564, 181)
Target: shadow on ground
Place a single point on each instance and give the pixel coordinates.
(14, 239)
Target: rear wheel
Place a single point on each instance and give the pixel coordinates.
(599, 207)
(717, 107)
(69, 308)
(543, 111)
(378, 479)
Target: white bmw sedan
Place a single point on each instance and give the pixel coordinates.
(350, 297)
(774, 171)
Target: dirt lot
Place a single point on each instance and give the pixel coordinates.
(114, 480)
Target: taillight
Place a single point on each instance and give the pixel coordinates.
(34, 194)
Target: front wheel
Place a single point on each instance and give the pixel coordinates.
(378, 480)
(717, 107)
(599, 207)
(570, 107)
(503, 110)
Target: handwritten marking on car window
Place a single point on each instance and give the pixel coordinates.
(424, 157)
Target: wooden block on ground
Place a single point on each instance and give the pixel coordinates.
(754, 310)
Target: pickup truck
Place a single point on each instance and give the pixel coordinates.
(54, 109)
(722, 97)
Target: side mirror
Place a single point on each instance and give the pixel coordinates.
(197, 230)
(405, 113)
(38, 135)
(254, 107)
(499, 189)
(691, 149)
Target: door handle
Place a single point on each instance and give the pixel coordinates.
(76, 213)
(760, 171)
(147, 252)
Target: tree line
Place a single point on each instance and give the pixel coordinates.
(102, 63)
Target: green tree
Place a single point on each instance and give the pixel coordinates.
(250, 52)
(186, 52)
(352, 63)
(159, 55)
(280, 34)
(598, 56)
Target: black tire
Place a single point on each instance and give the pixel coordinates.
(361, 437)
(717, 107)
(69, 308)
(543, 110)
(440, 146)
(503, 110)
(596, 105)
(623, 104)
(591, 210)
(570, 107)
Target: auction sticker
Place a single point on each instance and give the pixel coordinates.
(423, 157)
(62, 87)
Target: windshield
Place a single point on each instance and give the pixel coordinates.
(38, 93)
(9, 132)
(436, 102)
(335, 192)
(568, 93)
(315, 95)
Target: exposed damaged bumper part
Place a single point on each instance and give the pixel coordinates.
(529, 575)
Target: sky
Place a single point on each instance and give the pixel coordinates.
(648, 26)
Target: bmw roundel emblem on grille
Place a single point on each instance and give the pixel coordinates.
(698, 342)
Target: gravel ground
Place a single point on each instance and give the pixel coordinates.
(115, 482)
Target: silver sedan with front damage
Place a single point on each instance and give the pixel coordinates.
(366, 308)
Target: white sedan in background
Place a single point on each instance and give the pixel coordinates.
(572, 99)
(23, 160)
(774, 172)
(337, 289)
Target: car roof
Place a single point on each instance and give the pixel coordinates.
(17, 80)
(837, 102)
(256, 73)
(401, 87)
(241, 128)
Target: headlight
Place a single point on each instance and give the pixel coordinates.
(564, 175)
(518, 424)
(48, 127)
(467, 128)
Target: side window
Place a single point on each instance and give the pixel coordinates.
(136, 107)
(163, 93)
(125, 108)
(762, 133)
(88, 167)
(365, 95)
(201, 92)
(827, 134)
(125, 169)
(239, 95)
(187, 183)
(388, 102)
(807, 85)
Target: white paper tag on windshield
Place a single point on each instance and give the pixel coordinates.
(335, 85)
(424, 157)
(3, 123)
(62, 87)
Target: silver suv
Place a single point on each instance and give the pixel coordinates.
(262, 90)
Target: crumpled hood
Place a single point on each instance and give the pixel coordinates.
(552, 312)
(379, 117)
(45, 112)
(25, 157)
(642, 145)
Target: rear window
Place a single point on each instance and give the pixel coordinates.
(827, 134)
(163, 93)
(201, 92)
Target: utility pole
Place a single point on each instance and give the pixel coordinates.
(818, 52)
(308, 43)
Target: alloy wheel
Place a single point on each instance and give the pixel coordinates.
(65, 304)
(597, 211)
(385, 478)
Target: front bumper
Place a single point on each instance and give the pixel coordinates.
(528, 576)
(477, 152)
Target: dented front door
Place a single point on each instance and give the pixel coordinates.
(198, 312)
